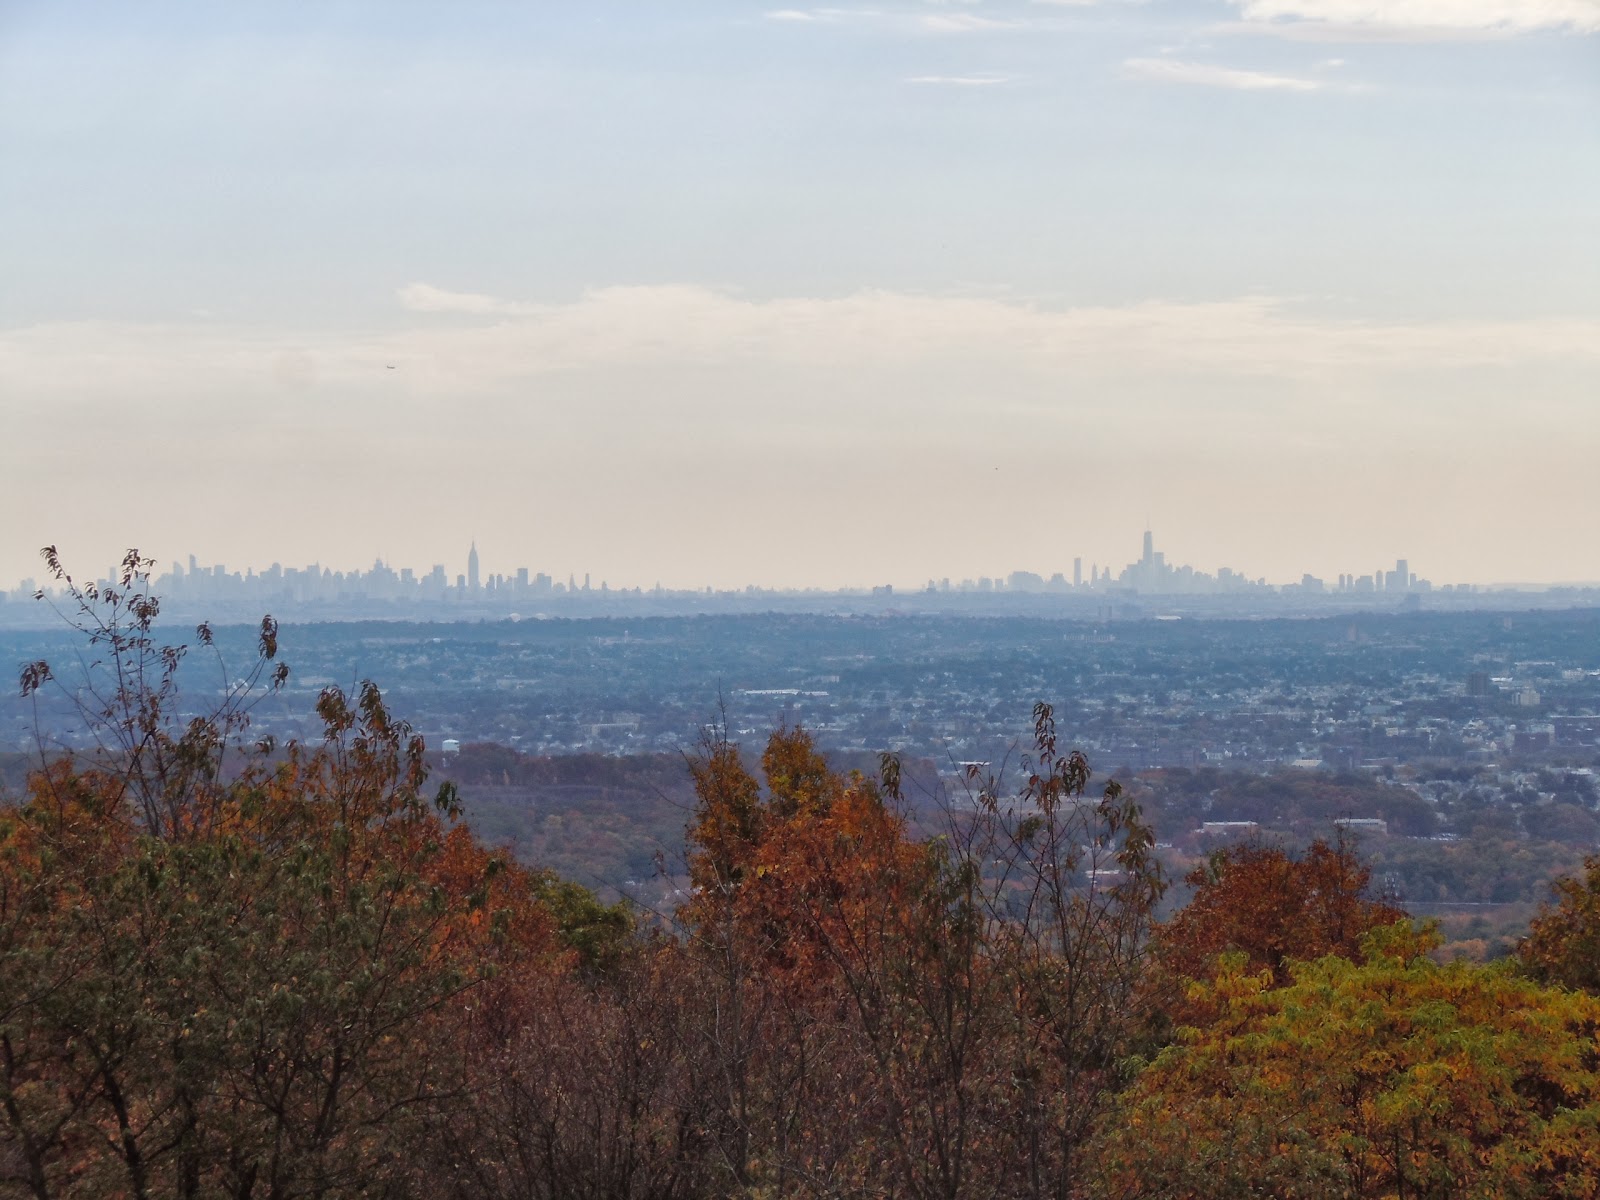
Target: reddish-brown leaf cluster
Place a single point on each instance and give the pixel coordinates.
(1272, 906)
(1563, 944)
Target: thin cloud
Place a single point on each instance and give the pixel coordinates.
(821, 16)
(425, 298)
(1416, 20)
(612, 333)
(962, 81)
(968, 23)
(902, 21)
(685, 323)
(1166, 70)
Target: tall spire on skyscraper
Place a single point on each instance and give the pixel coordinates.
(472, 567)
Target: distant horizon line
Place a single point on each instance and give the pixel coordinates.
(1147, 568)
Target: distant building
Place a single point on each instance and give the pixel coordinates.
(472, 567)
(1533, 738)
(1478, 683)
(1340, 758)
(1576, 731)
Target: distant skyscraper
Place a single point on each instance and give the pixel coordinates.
(1149, 548)
(472, 567)
(1077, 572)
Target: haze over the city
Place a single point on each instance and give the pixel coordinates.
(725, 293)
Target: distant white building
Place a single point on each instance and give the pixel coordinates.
(1224, 828)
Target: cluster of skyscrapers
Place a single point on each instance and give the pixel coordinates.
(384, 589)
(1151, 574)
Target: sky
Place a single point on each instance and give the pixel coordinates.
(706, 292)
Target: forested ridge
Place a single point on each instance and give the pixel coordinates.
(233, 968)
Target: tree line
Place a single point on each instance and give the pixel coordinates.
(231, 968)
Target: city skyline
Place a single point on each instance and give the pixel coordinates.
(1149, 573)
(1274, 561)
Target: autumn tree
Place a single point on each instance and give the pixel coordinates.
(582, 1084)
(799, 877)
(1563, 942)
(920, 1018)
(1272, 906)
(1388, 1077)
(226, 967)
(1064, 885)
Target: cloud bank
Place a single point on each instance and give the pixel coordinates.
(618, 329)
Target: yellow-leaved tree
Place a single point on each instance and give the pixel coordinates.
(1391, 1077)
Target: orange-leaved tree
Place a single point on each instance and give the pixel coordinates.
(1271, 906)
(805, 884)
(925, 1018)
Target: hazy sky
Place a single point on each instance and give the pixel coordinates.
(713, 292)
